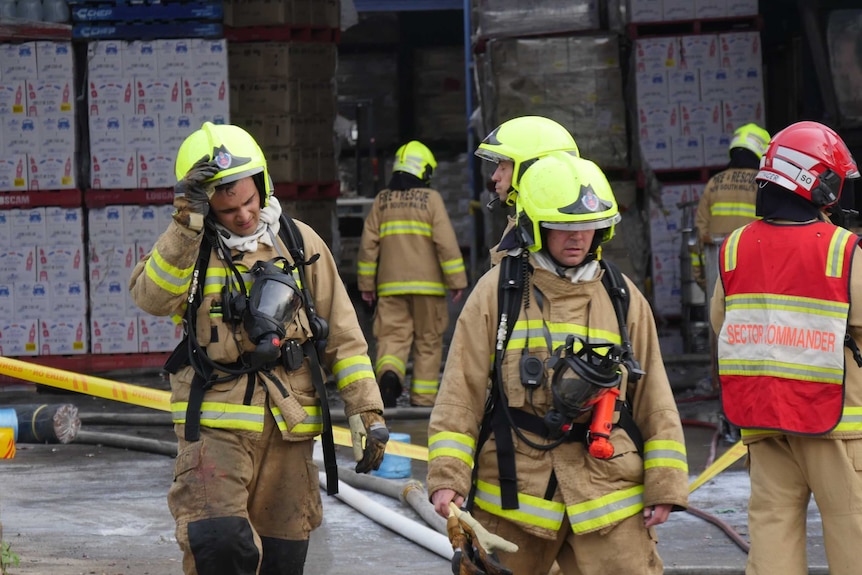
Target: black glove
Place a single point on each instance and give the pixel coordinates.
(376, 437)
(192, 196)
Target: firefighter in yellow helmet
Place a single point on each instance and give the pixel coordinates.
(263, 308)
(727, 203)
(409, 258)
(563, 360)
(513, 146)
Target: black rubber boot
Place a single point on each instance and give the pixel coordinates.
(390, 389)
(283, 557)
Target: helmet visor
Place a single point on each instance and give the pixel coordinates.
(492, 156)
(582, 226)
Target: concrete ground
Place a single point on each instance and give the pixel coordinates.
(90, 509)
(93, 509)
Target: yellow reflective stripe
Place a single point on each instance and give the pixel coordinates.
(453, 266)
(534, 328)
(313, 422)
(731, 245)
(390, 360)
(822, 307)
(350, 369)
(217, 277)
(403, 288)
(750, 432)
(424, 386)
(176, 318)
(168, 277)
(851, 419)
(802, 372)
(604, 511)
(665, 453)
(367, 268)
(696, 260)
(223, 415)
(531, 510)
(400, 227)
(450, 444)
(733, 209)
(837, 246)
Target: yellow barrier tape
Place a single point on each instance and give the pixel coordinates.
(342, 437)
(146, 397)
(727, 459)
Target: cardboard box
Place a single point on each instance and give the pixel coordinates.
(18, 61)
(158, 334)
(114, 336)
(50, 97)
(61, 262)
(113, 170)
(67, 298)
(105, 60)
(63, 336)
(683, 86)
(111, 96)
(19, 338)
(52, 171)
(13, 173)
(12, 97)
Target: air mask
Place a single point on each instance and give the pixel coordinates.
(273, 302)
(580, 379)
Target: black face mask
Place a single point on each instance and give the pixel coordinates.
(273, 302)
(582, 377)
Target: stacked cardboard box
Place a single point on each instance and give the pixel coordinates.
(43, 291)
(575, 80)
(37, 116)
(692, 92)
(674, 10)
(144, 99)
(119, 236)
(283, 94)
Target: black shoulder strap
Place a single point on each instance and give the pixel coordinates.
(313, 347)
(616, 285)
(509, 292)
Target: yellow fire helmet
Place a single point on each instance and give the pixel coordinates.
(416, 159)
(521, 141)
(562, 191)
(234, 151)
(751, 137)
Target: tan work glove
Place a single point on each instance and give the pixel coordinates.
(475, 546)
(368, 425)
(192, 195)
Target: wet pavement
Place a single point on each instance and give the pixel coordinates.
(93, 509)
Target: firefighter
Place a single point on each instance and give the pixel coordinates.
(789, 293)
(544, 324)
(264, 310)
(727, 203)
(513, 146)
(409, 258)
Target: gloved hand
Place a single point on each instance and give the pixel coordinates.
(192, 195)
(371, 426)
(475, 546)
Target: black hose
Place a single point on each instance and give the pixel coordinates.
(42, 423)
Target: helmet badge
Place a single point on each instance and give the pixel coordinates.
(223, 159)
(589, 198)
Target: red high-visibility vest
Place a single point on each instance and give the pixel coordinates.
(781, 346)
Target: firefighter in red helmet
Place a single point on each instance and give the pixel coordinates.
(788, 326)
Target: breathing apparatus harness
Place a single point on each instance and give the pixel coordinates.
(262, 311)
(602, 370)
